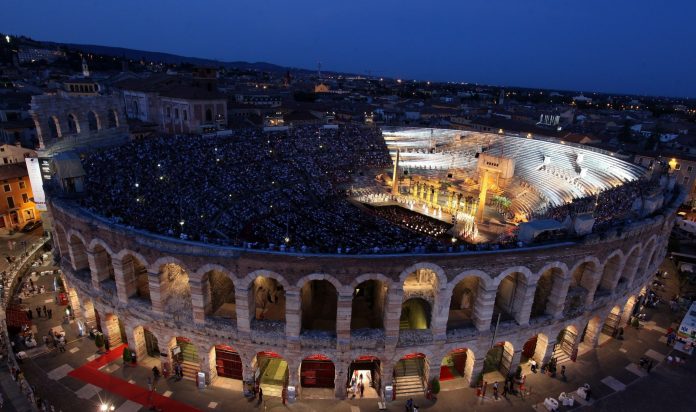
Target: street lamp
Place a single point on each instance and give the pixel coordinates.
(106, 407)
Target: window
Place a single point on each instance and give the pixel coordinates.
(677, 167)
(4, 159)
(10, 202)
(22, 185)
(25, 198)
(7, 187)
(689, 169)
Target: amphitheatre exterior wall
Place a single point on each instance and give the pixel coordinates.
(624, 259)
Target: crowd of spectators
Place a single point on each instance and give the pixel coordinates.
(413, 221)
(252, 189)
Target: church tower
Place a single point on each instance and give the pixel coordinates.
(85, 68)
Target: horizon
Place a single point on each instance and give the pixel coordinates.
(634, 63)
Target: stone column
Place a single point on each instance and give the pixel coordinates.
(125, 279)
(157, 291)
(197, 301)
(244, 306)
(343, 317)
(477, 369)
(483, 307)
(78, 260)
(387, 372)
(559, 293)
(74, 302)
(441, 314)
(136, 341)
(340, 379)
(206, 360)
(627, 311)
(524, 298)
(293, 315)
(98, 262)
(516, 358)
(392, 314)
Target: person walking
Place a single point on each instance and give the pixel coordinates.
(563, 375)
(362, 389)
(50, 313)
(495, 390)
(650, 365)
(260, 394)
(38, 312)
(45, 312)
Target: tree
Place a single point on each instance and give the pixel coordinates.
(99, 341)
(435, 385)
(127, 356)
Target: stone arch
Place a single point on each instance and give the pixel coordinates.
(458, 363)
(78, 251)
(512, 289)
(631, 265)
(218, 292)
(611, 271)
(174, 287)
(93, 121)
(318, 302)
(499, 358)
(439, 272)
(317, 370)
(464, 291)
(73, 124)
(550, 292)
(416, 313)
(101, 264)
(582, 284)
(249, 278)
(133, 275)
(112, 118)
(266, 295)
(62, 240)
(369, 301)
(54, 129)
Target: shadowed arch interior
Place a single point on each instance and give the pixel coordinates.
(368, 307)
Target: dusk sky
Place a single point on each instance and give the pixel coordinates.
(630, 46)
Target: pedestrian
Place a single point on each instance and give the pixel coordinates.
(563, 369)
(483, 393)
(44, 310)
(505, 389)
(50, 313)
(31, 282)
(61, 346)
(30, 314)
(38, 312)
(260, 394)
(155, 373)
(495, 390)
(650, 365)
(409, 404)
(362, 389)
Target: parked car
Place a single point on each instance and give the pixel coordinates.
(31, 226)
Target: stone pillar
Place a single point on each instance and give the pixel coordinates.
(206, 360)
(340, 379)
(136, 341)
(98, 267)
(524, 298)
(387, 372)
(477, 369)
(392, 314)
(74, 302)
(165, 347)
(157, 291)
(293, 314)
(294, 372)
(516, 358)
(544, 357)
(244, 306)
(78, 260)
(557, 297)
(197, 301)
(343, 317)
(627, 311)
(483, 307)
(440, 314)
(592, 334)
(125, 279)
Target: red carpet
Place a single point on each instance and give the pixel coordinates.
(90, 373)
(445, 373)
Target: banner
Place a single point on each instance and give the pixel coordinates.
(34, 170)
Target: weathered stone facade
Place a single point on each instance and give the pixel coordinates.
(608, 270)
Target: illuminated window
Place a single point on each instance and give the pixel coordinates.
(25, 198)
(7, 187)
(22, 185)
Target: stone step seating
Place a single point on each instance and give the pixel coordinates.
(561, 357)
(189, 369)
(272, 390)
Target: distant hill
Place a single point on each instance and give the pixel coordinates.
(169, 58)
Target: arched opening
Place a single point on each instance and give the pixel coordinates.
(175, 291)
(135, 108)
(611, 324)
(566, 344)
(104, 268)
(136, 279)
(92, 121)
(496, 365)
(458, 365)
(461, 310)
(271, 373)
(151, 345)
(319, 306)
(228, 363)
(368, 305)
(590, 335)
(509, 298)
(112, 118)
(534, 350)
(208, 115)
(415, 314)
(543, 292)
(610, 273)
(78, 258)
(54, 128)
(113, 328)
(185, 353)
(219, 298)
(630, 309)
(409, 375)
(73, 125)
(61, 242)
(268, 297)
(630, 268)
(580, 285)
(365, 369)
(317, 374)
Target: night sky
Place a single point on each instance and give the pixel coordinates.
(629, 46)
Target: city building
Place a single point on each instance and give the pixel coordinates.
(17, 206)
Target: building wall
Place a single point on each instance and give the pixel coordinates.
(638, 248)
(23, 211)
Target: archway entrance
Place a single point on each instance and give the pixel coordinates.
(151, 344)
(268, 296)
(591, 333)
(458, 366)
(369, 368)
(611, 325)
(368, 306)
(114, 330)
(534, 349)
(228, 364)
(496, 366)
(461, 311)
(409, 375)
(509, 299)
(319, 306)
(185, 353)
(317, 377)
(271, 373)
(566, 344)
